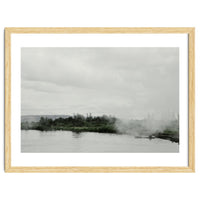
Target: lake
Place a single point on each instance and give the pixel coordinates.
(33, 141)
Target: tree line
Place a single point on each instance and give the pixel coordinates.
(76, 123)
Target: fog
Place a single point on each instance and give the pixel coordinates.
(147, 126)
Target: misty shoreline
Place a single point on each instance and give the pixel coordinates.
(147, 128)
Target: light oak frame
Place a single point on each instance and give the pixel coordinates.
(100, 30)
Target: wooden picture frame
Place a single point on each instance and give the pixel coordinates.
(86, 30)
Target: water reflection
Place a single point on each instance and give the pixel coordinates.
(89, 142)
(76, 134)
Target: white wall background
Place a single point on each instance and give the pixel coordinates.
(91, 13)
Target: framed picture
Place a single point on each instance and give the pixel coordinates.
(99, 100)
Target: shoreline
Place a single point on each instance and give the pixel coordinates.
(165, 136)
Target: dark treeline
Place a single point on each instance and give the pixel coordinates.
(76, 123)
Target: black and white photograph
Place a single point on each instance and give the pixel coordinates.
(99, 99)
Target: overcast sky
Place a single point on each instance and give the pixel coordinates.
(125, 82)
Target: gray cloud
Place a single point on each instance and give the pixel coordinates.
(125, 82)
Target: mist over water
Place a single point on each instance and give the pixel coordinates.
(146, 127)
(124, 136)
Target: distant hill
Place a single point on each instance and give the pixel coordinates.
(36, 118)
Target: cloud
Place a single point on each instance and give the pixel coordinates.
(125, 82)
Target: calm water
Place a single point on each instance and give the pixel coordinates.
(67, 141)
